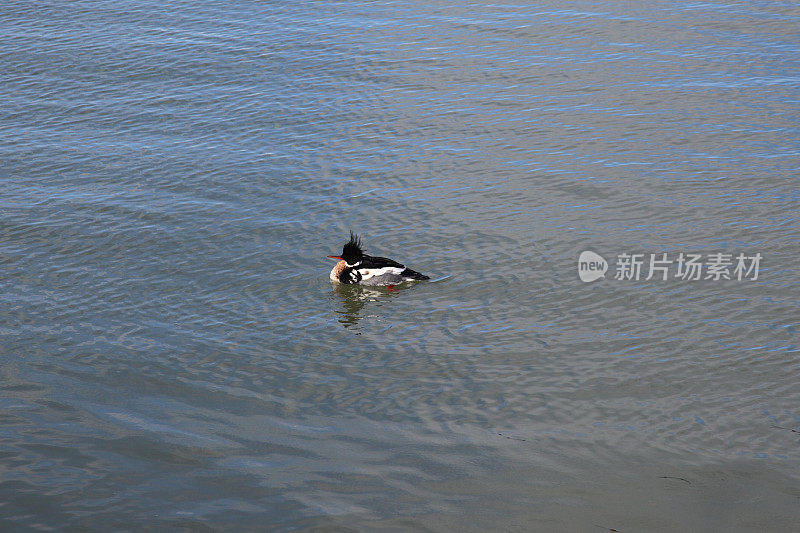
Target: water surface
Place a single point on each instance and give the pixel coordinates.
(175, 357)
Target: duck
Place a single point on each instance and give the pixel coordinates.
(354, 267)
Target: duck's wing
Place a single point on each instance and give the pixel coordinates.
(384, 271)
(368, 261)
(379, 271)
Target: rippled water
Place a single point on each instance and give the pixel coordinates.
(175, 357)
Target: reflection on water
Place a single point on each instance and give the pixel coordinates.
(354, 298)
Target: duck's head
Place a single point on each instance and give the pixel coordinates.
(351, 253)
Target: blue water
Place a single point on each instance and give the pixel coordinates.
(175, 358)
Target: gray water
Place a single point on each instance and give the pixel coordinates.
(174, 356)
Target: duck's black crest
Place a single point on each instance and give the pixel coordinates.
(355, 241)
(352, 250)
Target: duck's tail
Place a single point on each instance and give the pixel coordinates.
(413, 274)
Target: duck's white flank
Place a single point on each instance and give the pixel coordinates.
(370, 273)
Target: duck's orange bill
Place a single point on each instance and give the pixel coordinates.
(336, 257)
